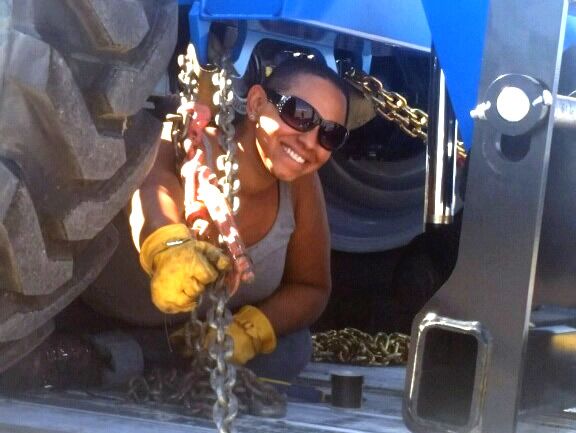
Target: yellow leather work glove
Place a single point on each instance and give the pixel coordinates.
(180, 267)
(252, 333)
(250, 330)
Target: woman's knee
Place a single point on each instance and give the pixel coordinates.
(292, 354)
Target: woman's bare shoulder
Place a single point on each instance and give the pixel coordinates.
(307, 193)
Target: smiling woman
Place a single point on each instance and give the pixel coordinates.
(294, 120)
(291, 130)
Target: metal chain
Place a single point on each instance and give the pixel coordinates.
(227, 163)
(220, 349)
(390, 105)
(393, 107)
(223, 376)
(223, 372)
(193, 389)
(352, 346)
(188, 75)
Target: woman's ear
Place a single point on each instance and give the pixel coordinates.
(255, 101)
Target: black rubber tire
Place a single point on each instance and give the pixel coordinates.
(74, 145)
(374, 186)
(376, 208)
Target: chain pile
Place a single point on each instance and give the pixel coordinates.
(352, 346)
(195, 388)
(193, 391)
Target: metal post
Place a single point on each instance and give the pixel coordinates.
(441, 152)
(565, 112)
(466, 361)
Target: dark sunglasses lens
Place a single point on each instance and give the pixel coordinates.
(332, 135)
(298, 114)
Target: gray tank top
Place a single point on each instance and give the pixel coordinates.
(269, 254)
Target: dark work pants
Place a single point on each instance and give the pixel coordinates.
(292, 354)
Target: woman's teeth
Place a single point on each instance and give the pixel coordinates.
(293, 155)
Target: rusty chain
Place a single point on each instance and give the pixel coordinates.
(352, 346)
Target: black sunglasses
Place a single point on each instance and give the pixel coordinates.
(302, 116)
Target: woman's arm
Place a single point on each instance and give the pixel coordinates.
(159, 201)
(306, 283)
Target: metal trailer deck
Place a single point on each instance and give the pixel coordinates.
(104, 411)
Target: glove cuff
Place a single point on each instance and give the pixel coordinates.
(258, 327)
(159, 240)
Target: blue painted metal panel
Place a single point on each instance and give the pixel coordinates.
(458, 30)
(323, 46)
(199, 30)
(401, 22)
(228, 9)
(397, 23)
(570, 38)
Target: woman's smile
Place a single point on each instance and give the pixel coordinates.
(295, 156)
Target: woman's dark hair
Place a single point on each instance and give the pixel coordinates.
(283, 75)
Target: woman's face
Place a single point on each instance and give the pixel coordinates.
(286, 152)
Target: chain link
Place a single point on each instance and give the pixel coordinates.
(352, 346)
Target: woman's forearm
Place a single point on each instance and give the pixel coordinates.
(294, 306)
(160, 199)
(162, 203)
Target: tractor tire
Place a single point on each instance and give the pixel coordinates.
(374, 186)
(74, 145)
